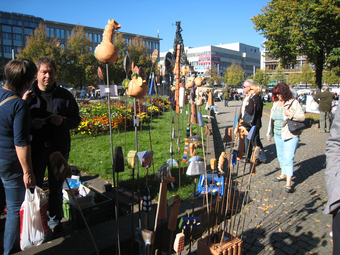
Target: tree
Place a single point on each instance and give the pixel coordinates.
(214, 77)
(78, 61)
(179, 40)
(307, 75)
(331, 77)
(138, 52)
(234, 75)
(294, 78)
(279, 75)
(39, 45)
(261, 77)
(292, 28)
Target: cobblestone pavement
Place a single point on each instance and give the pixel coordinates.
(277, 222)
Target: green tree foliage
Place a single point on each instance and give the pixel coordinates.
(139, 54)
(214, 77)
(39, 45)
(78, 61)
(294, 78)
(331, 77)
(261, 77)
(279, 75)
(296, 27)
(307, 75)
(234, 75)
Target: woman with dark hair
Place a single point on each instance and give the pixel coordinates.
(16, 169)
(284, 107)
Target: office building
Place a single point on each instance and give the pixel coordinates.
(222, 56)
(15, 27)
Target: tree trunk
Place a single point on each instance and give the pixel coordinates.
(318, 71)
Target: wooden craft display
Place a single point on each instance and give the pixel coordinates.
(210, 245)
(106, 52)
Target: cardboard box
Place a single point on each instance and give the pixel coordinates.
(84, 200)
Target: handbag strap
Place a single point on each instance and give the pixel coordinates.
(291, 104)
(7, 99)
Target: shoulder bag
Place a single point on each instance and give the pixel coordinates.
(293, 125)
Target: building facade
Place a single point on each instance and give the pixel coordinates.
(15, 28)
(203, 59)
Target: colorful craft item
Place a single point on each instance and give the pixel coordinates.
(199, 81)
(154, 55)
(172, 162)
(146, 206)
(127, 64)
(106, 52)
(187, 222)
(196, 168)
(145, 158)
(131, 159)
(174, 202)
(137, 86)
(59, 166)
(118, 160)
(186, 149)
(100, 73)
(179, 243)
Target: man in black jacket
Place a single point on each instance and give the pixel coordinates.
(54, 113)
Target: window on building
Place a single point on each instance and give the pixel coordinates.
(95, 37)
(17, 37)
(16, 22)
(17, 30)
(62, 34)
(28, 31)
(99, 38)
(6, 21)
(91, 49)
(7, 36)
(6, 29)
(57, 32)
(7, 49)
(90, 37)
(48, 31)
(52, 32)
(63, 45)
(68, 33)
(16, 50)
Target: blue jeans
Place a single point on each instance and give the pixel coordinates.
(12, 179)
(285, 150)
(40, 160)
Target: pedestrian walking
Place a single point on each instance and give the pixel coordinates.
(325, 100)
(285, 107)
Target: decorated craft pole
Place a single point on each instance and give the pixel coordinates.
(60, 172)
(131, 163)
(163, 177)
(107, 53)
(174, 202)
(135, 123)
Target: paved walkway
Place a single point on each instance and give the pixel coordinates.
(277, 222)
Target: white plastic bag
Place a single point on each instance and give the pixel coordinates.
(33, 219)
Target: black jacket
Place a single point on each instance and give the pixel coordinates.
(255, 104)
(63, 104)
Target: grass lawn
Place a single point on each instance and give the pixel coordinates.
(92, 153)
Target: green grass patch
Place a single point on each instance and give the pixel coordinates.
(92, 153)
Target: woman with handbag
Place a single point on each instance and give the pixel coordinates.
(16, 169)
(285, 108)
(255, 108)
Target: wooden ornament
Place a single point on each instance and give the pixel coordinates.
(106, 52)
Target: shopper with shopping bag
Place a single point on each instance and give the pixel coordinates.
(16, 170)
(33, 218)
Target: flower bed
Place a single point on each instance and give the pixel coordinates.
(95, 119)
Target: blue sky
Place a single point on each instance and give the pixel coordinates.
(203, 22)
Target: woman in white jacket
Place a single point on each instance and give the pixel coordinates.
(285, 107)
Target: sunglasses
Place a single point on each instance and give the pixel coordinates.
(246, 87)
